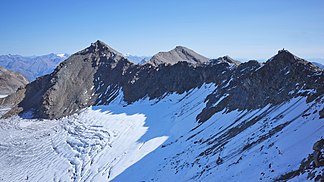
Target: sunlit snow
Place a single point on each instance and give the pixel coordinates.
(159, 140)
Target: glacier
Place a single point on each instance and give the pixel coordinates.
(160, 140)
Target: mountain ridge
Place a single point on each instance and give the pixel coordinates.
(100, 117)
(98, 74)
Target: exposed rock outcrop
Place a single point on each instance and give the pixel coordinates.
(312, 165)
(178, 54)
(253, 85)
(98, 74)
(10, 81)
(72, 84)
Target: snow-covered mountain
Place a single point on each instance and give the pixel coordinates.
(32, 66)
(99, 117)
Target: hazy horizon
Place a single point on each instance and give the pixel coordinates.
(241, 59)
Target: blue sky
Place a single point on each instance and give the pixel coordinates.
(250, 29)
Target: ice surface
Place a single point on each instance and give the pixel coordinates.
(3, 96)
(153, 140)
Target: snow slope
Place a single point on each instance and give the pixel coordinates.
(160, 140)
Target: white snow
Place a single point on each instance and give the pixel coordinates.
(153, 140)
(287, 72)
(220, 99)
(3, 96)
(228, 82)
(61, 55)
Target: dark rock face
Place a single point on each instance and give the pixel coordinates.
(178, 54)
(98, 74)
(71, 86)
(154, 82)
(253, 85)
(309, 165)
(10, 81)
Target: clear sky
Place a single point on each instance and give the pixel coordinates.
(241, 29)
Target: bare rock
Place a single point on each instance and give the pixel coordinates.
(10, 81)
(178, 54)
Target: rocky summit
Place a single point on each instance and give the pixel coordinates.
(99, 74)
(176, 55)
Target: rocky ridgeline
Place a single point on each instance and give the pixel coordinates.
(98, 74)
(253, 85)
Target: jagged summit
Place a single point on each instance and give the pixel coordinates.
(98, 75)
(285, 58)
(101, 49)
(253, 85)
(285, 55)
(182, 48)
(178, 54)
(225, 59)
(71, 85)
(191, 122)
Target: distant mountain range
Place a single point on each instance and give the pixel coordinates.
(32, 66)
(138, 59)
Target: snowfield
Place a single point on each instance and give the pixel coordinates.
(160, 140)
(3, 96)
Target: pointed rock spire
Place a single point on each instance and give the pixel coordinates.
(101, 48)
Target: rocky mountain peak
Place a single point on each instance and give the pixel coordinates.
(227, 60)
(285, 60)
(73, 83)
(286, 56)
(181, 48)
(253, 85)
(178, 54)
(99, 48)
(99, 74)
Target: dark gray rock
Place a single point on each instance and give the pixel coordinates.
(253, 85)
(309, 165)
(71, 86)
(98, 74)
